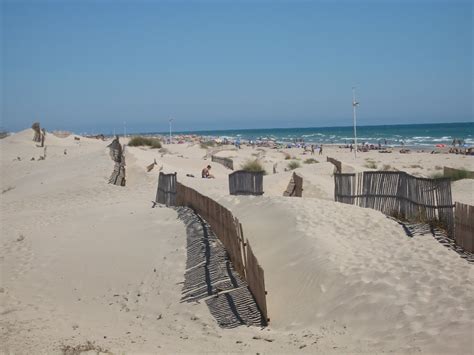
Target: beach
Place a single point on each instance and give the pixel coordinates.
(91, 266)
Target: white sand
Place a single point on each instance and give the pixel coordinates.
(83, 260)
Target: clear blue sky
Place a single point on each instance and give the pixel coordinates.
(88, 66)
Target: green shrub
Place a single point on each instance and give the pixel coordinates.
(311, 161)
(386, 167)
(139, 141)
(293, 165)
(254, 166)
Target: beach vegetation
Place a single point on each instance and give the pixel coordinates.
(287, 156)
(387, 167)
(253, 166)
(311, 161)
(371, 164)
(139, 141)
(416, 166)
(292, 165)
(437, 175)
(207, 144)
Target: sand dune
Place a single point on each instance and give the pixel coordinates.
(87, 263)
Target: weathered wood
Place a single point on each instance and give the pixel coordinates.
(256, 282)
(398, 194)
(166, 191)
(295, 186)
(336, 163)
(118, 156)
(229, 231)
(227, 162)
(464, 226)
(243, 182)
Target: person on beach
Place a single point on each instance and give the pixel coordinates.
(206, 173)
(321, 149)
(312, 149)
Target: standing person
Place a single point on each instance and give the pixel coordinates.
(321, 150)
(312, 149)
(206, 173)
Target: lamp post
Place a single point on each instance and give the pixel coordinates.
(354, 105)
(170, 120)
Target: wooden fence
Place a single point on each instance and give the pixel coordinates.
(450, 172)
(117, 155)
(166, 192)
(229, 231)
(243, 182)
(336, 163)
(398, 194)
(256, 280)
(464, 226)
(227, 162)
(295, 187)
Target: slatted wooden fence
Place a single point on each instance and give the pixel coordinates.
(450, 172)
(295, 186)
(229, 231)
(256, 281)
(336, 163)
(227, 162)
(398, 194)
(243, 182)
(464, 226)
(118, 156)
(166, 192)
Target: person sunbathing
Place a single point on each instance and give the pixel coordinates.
(206, 173)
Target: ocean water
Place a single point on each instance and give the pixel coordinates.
(408, 135)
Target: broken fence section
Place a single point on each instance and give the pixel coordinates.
(118, 156)
(295, 186)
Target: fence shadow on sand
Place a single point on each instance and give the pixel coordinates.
(209, 276)
(423, 229)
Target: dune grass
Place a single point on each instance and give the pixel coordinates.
(254, 166)
(310, 161)
(207, 144)
(456, 175)
(139, 141)
(292, 165)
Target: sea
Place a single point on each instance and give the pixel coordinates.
(417, 135)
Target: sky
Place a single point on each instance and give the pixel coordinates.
(90, 66)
